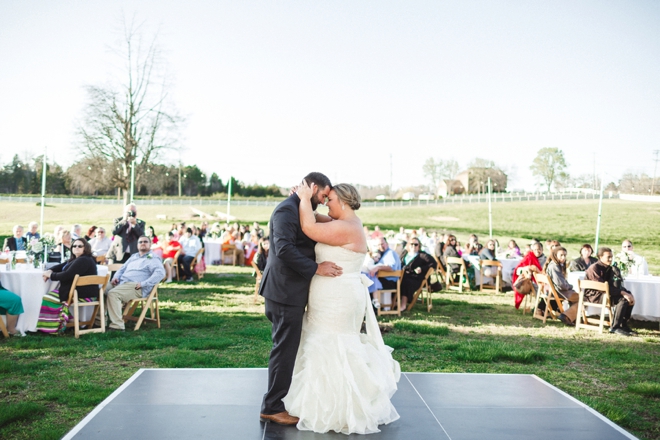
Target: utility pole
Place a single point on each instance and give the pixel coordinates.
(594, 184)
(655, 168)
(391, 187)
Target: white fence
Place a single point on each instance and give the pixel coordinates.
(470, 198)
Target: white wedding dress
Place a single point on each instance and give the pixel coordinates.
(343, 379)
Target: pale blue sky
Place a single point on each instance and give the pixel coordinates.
(273, 90)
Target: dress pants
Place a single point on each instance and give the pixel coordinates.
(117, 296)
(622, 311)
(287, 327)
(184, 265)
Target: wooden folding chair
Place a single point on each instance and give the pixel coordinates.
(228, 248)
(423, 288)
(150, 302)
(4, 260)
(114, 267)
(548, 296)
(498, 277)
(395, 297)
(100, 259)
(258, 282)
(77, 304)
(198, 256)
(583, 320)
(3, 328)
(462, 275)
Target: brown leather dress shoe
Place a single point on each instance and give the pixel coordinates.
(283, 418)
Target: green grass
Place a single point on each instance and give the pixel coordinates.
(48, 383)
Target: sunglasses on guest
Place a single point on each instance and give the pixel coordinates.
(414, 244)
(78, 246)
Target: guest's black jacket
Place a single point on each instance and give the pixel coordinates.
(579, 265)
(10, 242)
(412, 280)
(66, 272)
(605, 274)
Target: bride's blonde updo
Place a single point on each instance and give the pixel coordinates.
(348, 195)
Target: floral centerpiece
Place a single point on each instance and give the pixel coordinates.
(37, 249)
(625, 262)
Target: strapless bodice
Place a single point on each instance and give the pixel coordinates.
(350, 261)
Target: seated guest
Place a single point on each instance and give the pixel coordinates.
(512, 250)
(377, 233)
(91, 233)
(116, 252)
(582, 263)
(135, 279)
(555, 269)
(170, 248)
(250, 248)
(32, 231)
(152, 235)
(620, 298)
(537, 250)
(12, 306)
(474, 245)
(262, 254)
(203, 230)
(389, 261)
(17, 242)
(527, 266)
(100, 243)
(488, 253)
(54, 307)
(63, 245)
(190, 245)
(451, 250)
(76, 231)
(640, 266)
(416, 264)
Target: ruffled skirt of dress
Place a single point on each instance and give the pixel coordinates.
(343, 379)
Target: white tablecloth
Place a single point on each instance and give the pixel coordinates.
(508, 265)
(27, 282)
(212, 251)
(645, 289)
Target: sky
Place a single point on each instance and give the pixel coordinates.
(363, 91)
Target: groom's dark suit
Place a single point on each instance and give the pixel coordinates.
(285, 284)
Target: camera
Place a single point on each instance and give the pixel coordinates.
(130, 214)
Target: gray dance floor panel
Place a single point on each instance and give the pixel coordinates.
(186, 404)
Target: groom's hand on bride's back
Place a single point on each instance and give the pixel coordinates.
(328, 269)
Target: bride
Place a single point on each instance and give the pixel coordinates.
(343, 379)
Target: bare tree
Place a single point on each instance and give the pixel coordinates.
(435, 170)
(550, 165)
(131, 121)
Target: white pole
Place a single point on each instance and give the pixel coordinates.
(228, 199)
(490, 210)
(43, 194)
(600, 209)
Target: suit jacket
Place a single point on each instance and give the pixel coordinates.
(291, 260)
(10, 242)
(128, 237)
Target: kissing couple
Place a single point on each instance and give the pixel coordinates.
(323, 373)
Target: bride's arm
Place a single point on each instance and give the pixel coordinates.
(334, 233)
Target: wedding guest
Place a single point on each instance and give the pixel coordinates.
(91, 233)
(54, 307)
(251, 247)
(190, 245)
(32, 231)
(416, 264)
(17, 242)
(135, 279)
(76, 231)
(488, 253)
(513, 251)
(640, 266)
(451, 251)
(203, 230)
(582, 263)
(116, 252)
(100, 243)
(555, 269)
(620, 298)
(170, 248)
(377, 233)
(11, 306)
(389, 261)
(129, 228)
(525, 270)
(257, 229)
(63, 242)
(261, 257)
(152, 235)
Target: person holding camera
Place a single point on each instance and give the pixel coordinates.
(129, 228)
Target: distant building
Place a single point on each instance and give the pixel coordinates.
(450, 187)
(475, 180)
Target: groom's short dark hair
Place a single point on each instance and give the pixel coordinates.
(321, 180)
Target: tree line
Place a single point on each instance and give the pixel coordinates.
(95, 178)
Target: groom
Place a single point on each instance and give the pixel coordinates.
(285, 284)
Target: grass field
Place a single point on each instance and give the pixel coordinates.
(49, 383)
(572, 222)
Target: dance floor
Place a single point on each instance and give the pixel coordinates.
(224, 404)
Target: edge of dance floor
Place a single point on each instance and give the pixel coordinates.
(187, 403)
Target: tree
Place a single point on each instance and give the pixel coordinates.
(436, 170)
(131, 122)
(550, 165)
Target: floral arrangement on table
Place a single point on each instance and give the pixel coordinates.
(37, 249)
(625, 262)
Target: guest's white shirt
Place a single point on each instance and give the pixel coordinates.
(640, 267)
(190, 244)
(100, 246)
